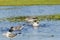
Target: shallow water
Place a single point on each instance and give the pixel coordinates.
(44, 32)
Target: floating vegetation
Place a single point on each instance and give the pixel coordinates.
(40, 18)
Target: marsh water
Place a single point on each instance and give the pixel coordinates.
(44, 32)
(48, 30)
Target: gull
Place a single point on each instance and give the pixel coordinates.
(35, 24)
(30, 19)
(17, 28)
(9, 35)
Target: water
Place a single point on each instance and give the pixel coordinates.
(44, 32)
(11, 11)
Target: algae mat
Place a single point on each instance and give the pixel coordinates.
(28, 2)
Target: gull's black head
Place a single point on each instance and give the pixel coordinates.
(11, 29)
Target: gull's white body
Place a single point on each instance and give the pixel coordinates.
(29, 20)
(35, 25)
(9, 35)
(18, 28)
